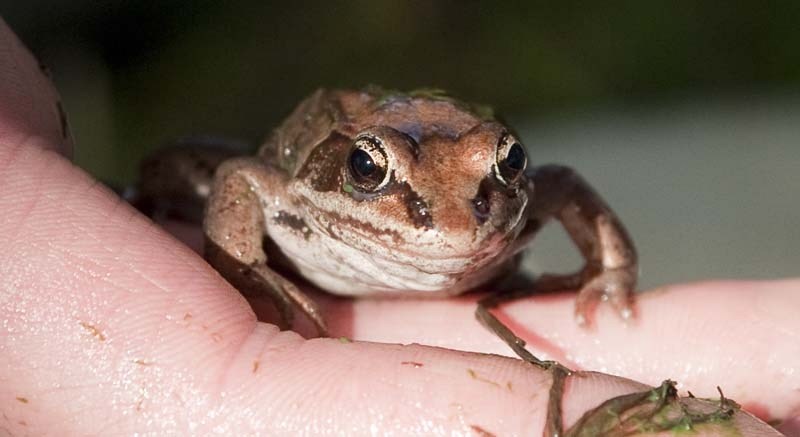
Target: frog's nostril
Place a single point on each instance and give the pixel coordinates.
(480, 208)
(420, 213)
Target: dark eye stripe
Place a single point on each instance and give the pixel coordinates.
(417, 207)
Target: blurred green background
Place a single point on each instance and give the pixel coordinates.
(682, 113)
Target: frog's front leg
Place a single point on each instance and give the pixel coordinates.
(234, 228)
(610, 268)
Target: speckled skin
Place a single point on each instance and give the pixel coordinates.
(443, 222)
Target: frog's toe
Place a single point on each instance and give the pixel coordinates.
(285, 313)
(613, 285)
(288, 297)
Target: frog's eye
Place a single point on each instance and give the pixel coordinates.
(511, 160)
(368, 164)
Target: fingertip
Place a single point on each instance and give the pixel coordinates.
(31, 111)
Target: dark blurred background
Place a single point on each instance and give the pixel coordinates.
(682, 113)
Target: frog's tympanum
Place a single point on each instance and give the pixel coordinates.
(375, 192)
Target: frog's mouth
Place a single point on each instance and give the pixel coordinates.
(427, 250)
(353, 261)
(354, 255)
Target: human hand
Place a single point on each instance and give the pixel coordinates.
(111, 326)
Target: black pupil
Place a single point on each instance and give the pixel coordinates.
(515, 160)
(362, 164)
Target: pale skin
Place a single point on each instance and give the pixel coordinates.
(112, 326)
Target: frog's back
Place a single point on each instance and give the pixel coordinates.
(419, 114)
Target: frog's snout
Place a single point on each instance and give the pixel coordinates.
(470, 212)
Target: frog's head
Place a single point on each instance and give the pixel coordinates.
(417, 179)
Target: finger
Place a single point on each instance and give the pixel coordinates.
(111, 327)
(675, 337)
(30, 109)
(741, 336)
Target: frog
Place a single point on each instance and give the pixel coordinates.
(377, 192)
(380, 192)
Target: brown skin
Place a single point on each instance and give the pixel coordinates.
(445, 182)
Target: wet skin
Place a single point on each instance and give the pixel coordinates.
(374, 192)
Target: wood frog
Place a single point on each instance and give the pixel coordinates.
(377, 192)
(365, 192)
